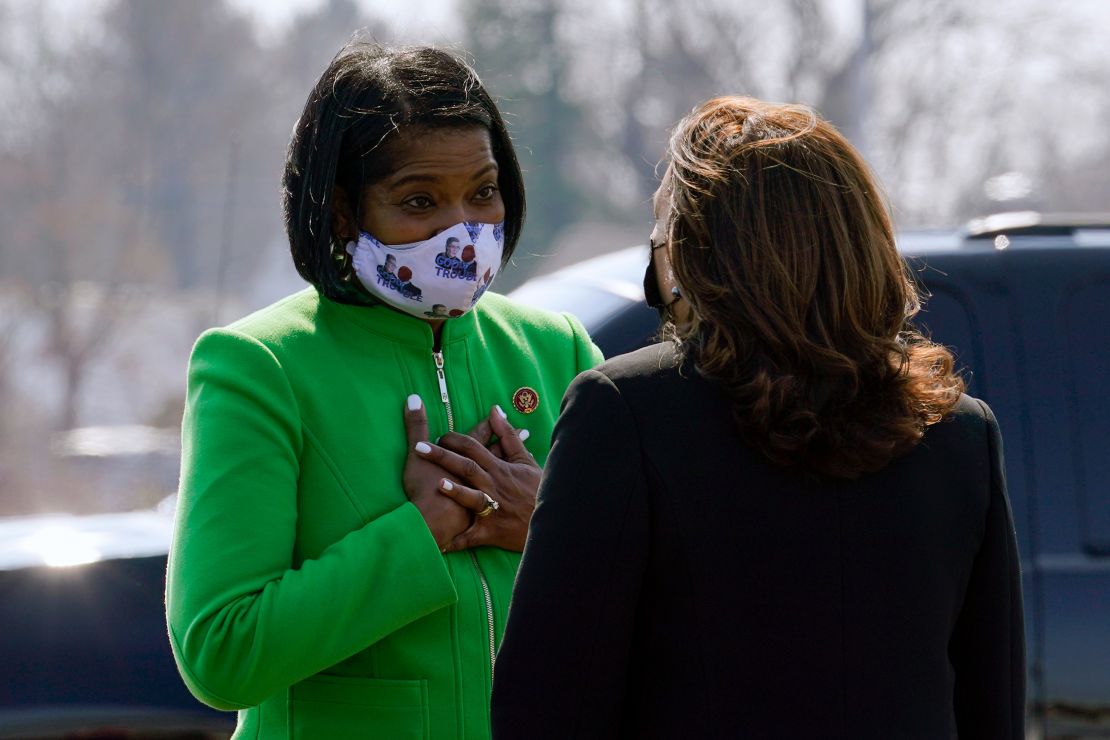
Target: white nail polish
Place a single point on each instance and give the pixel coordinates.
(423, 447)
(415, 403)
(447, 485)
(501, 411)
(524, 435)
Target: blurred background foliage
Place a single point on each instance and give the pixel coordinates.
(141, 145)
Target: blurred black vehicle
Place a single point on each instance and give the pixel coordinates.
(1024, 301)
(83, 645)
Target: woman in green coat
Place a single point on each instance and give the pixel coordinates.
(334, 573)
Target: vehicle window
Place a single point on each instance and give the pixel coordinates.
(635, 326)
(592, 306)
(1085, 312)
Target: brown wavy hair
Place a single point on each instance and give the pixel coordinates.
(800, 303)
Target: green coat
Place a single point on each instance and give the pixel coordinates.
(304, 589)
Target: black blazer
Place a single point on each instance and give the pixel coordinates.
(675, 584)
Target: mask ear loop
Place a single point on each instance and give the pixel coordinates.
(344, 259)
(341, 248)
(676, 294)
(344, 262)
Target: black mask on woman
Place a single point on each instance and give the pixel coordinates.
(651, 286)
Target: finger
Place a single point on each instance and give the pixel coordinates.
(472, 537)
(416, 420)
(465, 496)
(457, 465)
(482, 432)
(468, 447)
(496, 451)
(512, 440)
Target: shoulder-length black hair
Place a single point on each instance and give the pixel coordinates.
(367, 94)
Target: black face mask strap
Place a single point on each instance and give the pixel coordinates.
(651, 283)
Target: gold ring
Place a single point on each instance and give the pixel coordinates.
(491, 506)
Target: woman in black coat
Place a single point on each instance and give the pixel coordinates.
(787, 521)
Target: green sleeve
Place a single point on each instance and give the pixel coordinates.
(244, 622)
(587, 353)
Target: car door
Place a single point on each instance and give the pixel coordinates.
(970, 308)
(1065, 307)
(1030, 323)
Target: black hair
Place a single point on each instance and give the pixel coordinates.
(367, 94)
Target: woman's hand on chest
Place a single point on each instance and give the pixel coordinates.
(496, 485)
(421, 480)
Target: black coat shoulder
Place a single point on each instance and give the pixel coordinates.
(654, 361)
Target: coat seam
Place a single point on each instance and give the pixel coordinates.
(575, 727)
(994, 487)
(344, 485)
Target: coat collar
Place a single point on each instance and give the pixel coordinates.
(397, 326)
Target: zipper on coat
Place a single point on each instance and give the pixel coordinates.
(438, 357)
(489, 612)
(443, 396)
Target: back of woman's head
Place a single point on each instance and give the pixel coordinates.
(800, 303)
(367, 95)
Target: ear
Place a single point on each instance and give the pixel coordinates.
(342, 217)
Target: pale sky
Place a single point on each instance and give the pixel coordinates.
(412, 19)
(438, 19)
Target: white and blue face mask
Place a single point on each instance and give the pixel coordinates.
(442, 277)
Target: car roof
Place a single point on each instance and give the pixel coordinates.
(1020, 230)
(620, 272)
(60, 540)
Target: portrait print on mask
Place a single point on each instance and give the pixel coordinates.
(399, 279)
(446, 267)
(482, 286)
(456, 262)
(440, 311)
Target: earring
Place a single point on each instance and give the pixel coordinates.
(344, 266)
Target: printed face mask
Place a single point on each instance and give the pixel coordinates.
(442, 277)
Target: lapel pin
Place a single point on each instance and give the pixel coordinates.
(526, 400)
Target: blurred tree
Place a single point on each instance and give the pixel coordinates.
(940, 95)
(185, 86)
(517, 51)
(299, 57)
(122, 148)
(310, 42)
(291, 63)
(964, 92)
(685, 53)
(11, 311)
(147, 149)
(593, 88)
(63, 228)
(140, 161)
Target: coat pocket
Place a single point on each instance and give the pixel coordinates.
(327, 706)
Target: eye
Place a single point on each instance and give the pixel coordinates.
(419, 202)
(486, 192)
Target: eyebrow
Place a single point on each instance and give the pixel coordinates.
(420, 177)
